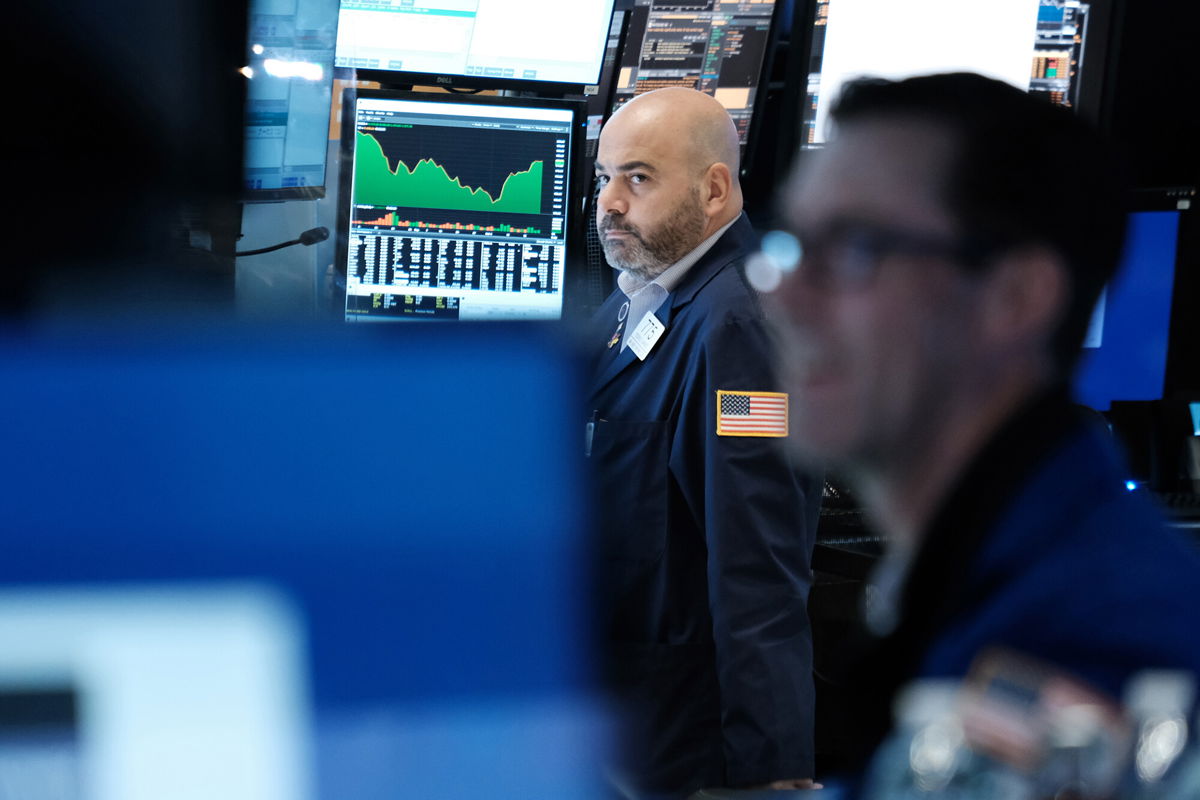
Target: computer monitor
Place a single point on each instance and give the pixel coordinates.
(288, 95)
(1050, 47)
(599, 105)
(1125, 351)
(541, 45)
(716, 46)
(457, 207)
(412, 499)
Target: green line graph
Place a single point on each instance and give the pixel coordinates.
(427, 184)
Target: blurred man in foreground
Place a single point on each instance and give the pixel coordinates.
(955, 236)
(707, 529)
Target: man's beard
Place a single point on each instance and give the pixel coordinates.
(648, 254)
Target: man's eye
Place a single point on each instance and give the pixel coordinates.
(601, 180)
(638, 178)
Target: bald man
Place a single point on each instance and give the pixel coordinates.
(707, 527)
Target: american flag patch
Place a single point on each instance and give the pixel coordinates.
(752, 413)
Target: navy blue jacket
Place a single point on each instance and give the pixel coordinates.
(1080, 572)
(707, 543)
(1040, 549)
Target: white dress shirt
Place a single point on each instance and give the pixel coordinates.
(646, 296)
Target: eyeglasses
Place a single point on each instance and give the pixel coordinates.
(848, 255)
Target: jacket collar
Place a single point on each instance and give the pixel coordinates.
(735, 244)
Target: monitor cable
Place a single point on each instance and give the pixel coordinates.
(309, 237)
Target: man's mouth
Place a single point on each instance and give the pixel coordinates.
(612, 231)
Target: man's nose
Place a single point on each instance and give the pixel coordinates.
(611, 199)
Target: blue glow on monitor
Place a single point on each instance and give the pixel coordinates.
(368, 475)
(1125, 354)
(415, 493)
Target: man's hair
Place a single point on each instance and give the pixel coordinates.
(1025, 172)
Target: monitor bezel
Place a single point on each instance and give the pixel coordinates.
(286, 193)
(573, 229)
(405, 81)
(766, 70)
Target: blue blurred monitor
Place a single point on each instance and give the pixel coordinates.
(538, 45)
(288, 97)
(429, 530)
(1125, 352)
(457, 207)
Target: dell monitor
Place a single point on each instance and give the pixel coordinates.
(538, 45)
(457, 207)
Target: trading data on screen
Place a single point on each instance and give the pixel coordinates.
(716, 46)
(529, 40)
(458, 210)
(1036, 45)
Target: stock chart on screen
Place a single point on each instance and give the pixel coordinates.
(458, 209)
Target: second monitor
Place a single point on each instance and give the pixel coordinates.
(456, 207)
(716, 46)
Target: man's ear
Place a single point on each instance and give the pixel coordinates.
(1026, 296)
(716, 188)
